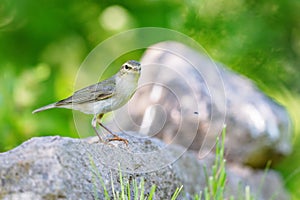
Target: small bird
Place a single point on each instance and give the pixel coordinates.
(103, 97)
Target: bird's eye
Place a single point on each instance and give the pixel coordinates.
(126, 67)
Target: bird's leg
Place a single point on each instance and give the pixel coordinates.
(94, 124)
(116, 137)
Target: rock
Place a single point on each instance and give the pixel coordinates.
(185, 98)
(65, 168)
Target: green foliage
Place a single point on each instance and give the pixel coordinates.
(97, 175)
(176, 193)
(215, 189)
(216, 181)
(255, 38)
(43, 44)
(138, 187)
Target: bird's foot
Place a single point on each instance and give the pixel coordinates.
(117, 138)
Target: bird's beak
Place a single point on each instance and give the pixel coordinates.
(138, 69)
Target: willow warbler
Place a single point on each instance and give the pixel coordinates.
(103, 97)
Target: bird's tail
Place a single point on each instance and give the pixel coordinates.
(53, 105)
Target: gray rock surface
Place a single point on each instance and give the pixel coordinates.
(65, 168)
(178, 81)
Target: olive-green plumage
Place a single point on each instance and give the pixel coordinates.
(103, 97)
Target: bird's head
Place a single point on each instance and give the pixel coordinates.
(131, 67)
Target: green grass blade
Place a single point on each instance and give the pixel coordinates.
(112, 187)
(128, 191)
(136, 190)
(247, 193)
(96, 171)
(142, 188)
(206, 194)
(152, 192)
(121, 183)
(176, 193)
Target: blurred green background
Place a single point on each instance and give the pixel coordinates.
(43, 43)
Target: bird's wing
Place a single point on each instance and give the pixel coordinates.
(96, 92)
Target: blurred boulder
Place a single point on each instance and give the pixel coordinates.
(65, 168)
(185, 98)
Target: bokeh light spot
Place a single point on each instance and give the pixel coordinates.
(114, 18)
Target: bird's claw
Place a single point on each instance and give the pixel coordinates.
(116, 138)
